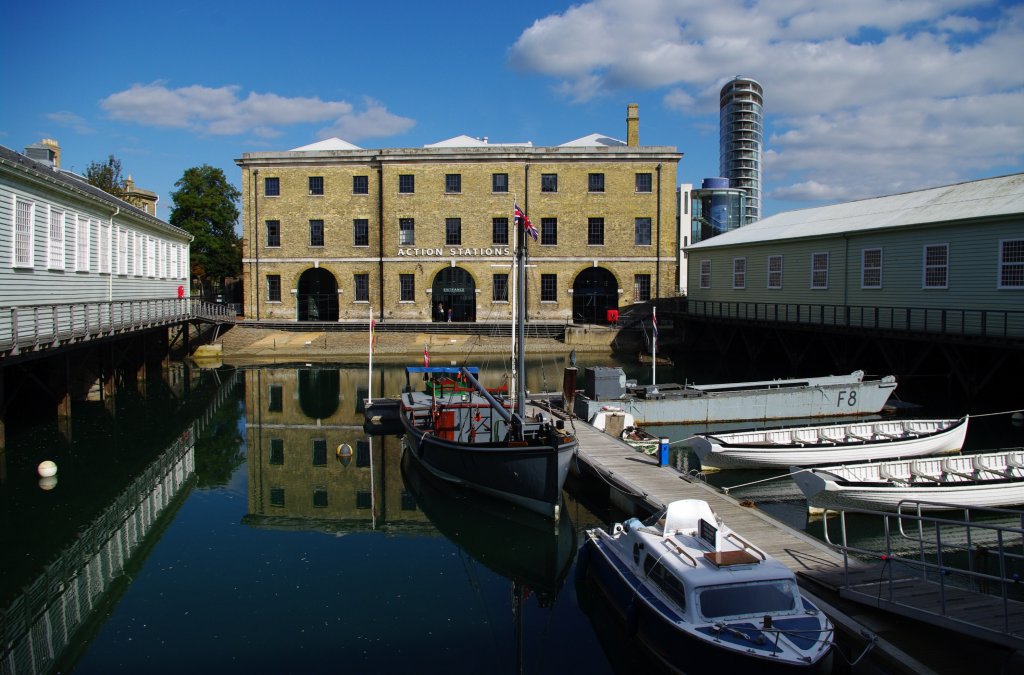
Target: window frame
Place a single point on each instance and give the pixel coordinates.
(453, 183)
(647, 221)
(407, 288)
(360, 184)
(23, 228)
(499, 224)
(273, 288)
(273, 234)
(549, 231)
(595, 231)
(926, 267)
(771, 272)
(1003, 266)
(816, 282)
(739, 273)
(360, 232)
(406, 183)
(641, 287)
(499, 282)
(548, 288)
(865, 269)
(595, 183)
(406, 235)
(549, 182)
(55, 238)
(495, 186)
(313, 232)
(272, 180)
(705, 274)
(360, 287)
(453, 231)
(641, 178)
(316, 186)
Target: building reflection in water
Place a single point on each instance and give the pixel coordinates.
(311, 466)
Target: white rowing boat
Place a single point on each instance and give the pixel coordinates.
(829, 444)
(990, 479)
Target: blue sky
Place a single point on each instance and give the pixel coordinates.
(861, 98)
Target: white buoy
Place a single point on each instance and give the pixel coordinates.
(46, 469)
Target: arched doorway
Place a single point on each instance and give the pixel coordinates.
(317, 296)
(594, 292)
(455, 290)
(319, 392)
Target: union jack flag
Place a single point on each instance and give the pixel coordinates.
(521, 219)
(426, 356)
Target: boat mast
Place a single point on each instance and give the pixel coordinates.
(520, 354)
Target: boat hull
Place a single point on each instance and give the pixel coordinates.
(531, 476)
(864, 487)
(733, 451)
(820, 397)
(679, 649)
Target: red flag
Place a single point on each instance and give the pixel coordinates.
(521, 219)
(426, 356)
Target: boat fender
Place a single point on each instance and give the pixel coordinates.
(632, 524)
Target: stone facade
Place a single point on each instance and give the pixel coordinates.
(448, 252)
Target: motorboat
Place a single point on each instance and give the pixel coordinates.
(614, 421)
(693, 591)
(829, 443)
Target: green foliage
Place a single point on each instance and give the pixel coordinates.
(205, 206)
(106, 177)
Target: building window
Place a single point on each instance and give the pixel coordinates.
(406, 231)
(276, 396)
(499, 231)
(319, 452)
(82, 247)
(641, 287)
(499, 182)
(320, 498)
(271, 187)
(277, 496)
(549, 182)
(549, 288)
(819, 271)
(936, 266)
(316, 185)
(1011, 263)
(360, 185)
(595, 182)
(407, 183)
(407, 287)
(595, 231)
(274, 288)
(549, 231)
(642, 232)
(705, 274)
(277, 451)
(362, 287)
(360, 232)
(871, 268)
(643, 182)
(104, 250)
(362, 453)
(24, 217)
(453, 183)
(739, 272)
(364, 499)
(775, 271)
(453, 231)
(56, 239)
(273, 233)
(122, 254)
(316, 233)
(500, 288)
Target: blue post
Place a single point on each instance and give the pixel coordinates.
(663, 452)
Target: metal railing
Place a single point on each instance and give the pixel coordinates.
(989, 323)
(980, 551)
(32, 327)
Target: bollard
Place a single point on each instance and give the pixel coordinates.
(663, 452)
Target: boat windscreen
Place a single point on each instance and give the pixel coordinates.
(754, 599)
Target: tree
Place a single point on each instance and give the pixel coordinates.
(205, 206)
(106, 177)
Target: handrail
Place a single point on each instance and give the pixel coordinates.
(746, 544)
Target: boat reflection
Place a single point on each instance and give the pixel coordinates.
(524, 547)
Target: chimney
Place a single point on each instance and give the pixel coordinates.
(55, 146)
(45, 151)
(633, 124)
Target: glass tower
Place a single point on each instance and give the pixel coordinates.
(716, 208)
(741, 104)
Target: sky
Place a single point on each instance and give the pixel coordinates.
(862, 98)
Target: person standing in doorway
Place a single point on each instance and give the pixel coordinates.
(440, 311)
(449, 315)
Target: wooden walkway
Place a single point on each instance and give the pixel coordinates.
(635, 477)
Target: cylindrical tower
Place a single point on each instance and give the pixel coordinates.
(741, 103)
(715, 208)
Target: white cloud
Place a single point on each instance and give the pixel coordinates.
(68, 119)
(221, 111)
(861, 98)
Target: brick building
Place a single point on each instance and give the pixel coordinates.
(331, 229)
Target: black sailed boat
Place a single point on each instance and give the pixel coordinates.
(497, 447)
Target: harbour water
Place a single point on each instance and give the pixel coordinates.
(245, 522)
